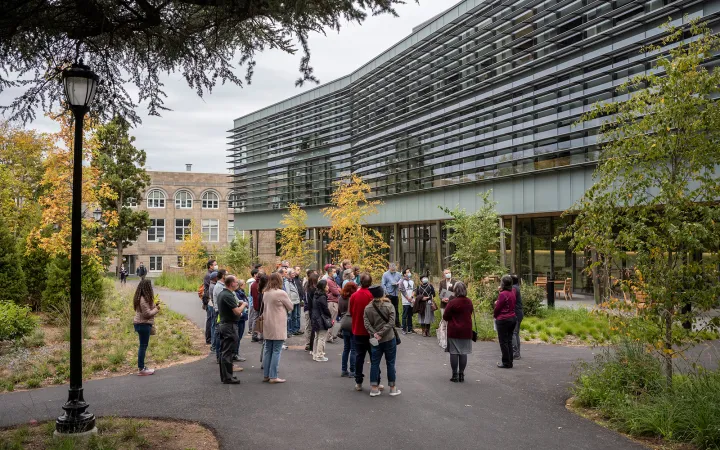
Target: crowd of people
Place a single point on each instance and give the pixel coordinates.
(341, 304)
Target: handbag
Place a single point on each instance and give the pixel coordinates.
(327, 322)
(474, 333)
(433, 306)
(346, 323)
(397, 337)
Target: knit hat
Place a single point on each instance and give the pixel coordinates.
(377, 291)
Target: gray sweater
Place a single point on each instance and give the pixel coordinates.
(376, 324)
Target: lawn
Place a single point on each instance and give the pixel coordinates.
(109, 348)
(114, 433)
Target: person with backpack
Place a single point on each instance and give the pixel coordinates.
(322, 320)
(141, 271)
(379, 319)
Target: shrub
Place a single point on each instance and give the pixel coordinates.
(178, 282)
(15, 321)
(12, 277)
(484, 296)
(56, 296)
(532, 298)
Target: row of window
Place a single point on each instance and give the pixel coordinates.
(184, 200)
(210, 229)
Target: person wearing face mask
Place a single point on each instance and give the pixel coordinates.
(407, 292)
(446, 292)
(390, 282)
(424, 295)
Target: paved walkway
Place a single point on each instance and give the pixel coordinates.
(516, 409)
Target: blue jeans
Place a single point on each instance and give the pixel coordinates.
(271, 358)
(295, 318)
(212, 316)
(143, 331)
(241, 331)
(389, 349)
(348, 351)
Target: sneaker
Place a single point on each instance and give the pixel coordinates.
(240, 358)
(345, 374)
(381, 387)
(284, 347)
(236, 358)
(516, 356)
(351, 375)
(212, 349)
(374, 392)
(299, 333)
(307, 348)
(321, 359)
(394, 391)
(358, 387)
(145, 372)
(404, 332)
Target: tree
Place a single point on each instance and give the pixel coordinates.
(656, 188)
(237, 257)
(22, 153)
(12, 278)
(53, 232)
(476, 237)
(293, 246)
(121, 170)
(350, 237)
(136, 41)
(193, 252)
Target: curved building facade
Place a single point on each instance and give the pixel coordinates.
(483, 96)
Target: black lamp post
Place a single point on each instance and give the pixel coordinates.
(80, 84)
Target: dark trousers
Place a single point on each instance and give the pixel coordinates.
(228, 341)
(407, 320)
(143, 331)
(394, 301)
(348, 353)
(516, 337)
(241, 331)
(505, 329)
(362, 348)
(389, 349)
(208, 324)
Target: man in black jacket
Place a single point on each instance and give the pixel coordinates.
(229, 311)
(301, 290)
(141, 271)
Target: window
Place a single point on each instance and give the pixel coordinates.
(210, 200)
(181, 261)
(211, 230)
(234, 200)
(231, 230)
(182, 229)
(156, 264)
(156, 232)
(131, 202)
(156, 199)
(183, 200)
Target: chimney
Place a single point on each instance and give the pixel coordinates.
(188, 167)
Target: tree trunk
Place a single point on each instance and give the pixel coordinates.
(667, 354)
(595, 277)
(119, 258)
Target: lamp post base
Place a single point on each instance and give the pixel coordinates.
(76, 420)
(83, 435)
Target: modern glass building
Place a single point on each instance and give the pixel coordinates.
(485, 96)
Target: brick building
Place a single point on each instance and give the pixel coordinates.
(173, 200)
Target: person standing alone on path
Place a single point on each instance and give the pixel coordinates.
(123, 274)
(519, 314)
(458, 315)
(358, 301)
(276, 306)
(229, 311)
(504, 314)
(407, 292)
(379, 322)
(141, 271)
(145, 312)
(390, 281)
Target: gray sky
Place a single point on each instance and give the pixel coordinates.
(195, 130)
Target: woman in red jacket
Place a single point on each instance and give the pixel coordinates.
(458, 315)
(504, 315)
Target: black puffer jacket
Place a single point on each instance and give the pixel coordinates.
(320, 311)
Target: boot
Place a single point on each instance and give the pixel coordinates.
(461, 377)
(454, 378)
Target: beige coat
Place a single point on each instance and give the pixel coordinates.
(276, 305)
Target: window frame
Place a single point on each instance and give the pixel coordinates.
(207, 203)
(155, 227)
(207, 236)
(186, 229)
(154, 263)
(161, 201)
(179, 202)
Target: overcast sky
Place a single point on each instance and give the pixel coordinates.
(195, 130)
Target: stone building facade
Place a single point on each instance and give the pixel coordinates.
(174, 200)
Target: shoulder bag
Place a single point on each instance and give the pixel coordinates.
(346, 322)
(474, 333)
(382, 316)
(260, 319)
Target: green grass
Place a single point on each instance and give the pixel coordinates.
(178, 282)
(626, 386)
(111, 346)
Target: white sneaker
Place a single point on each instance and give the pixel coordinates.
(145, 372)
(394, 391)
(375, 392)
(321, 359)
(358, 387)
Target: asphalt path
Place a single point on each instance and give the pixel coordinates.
(522, 408)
